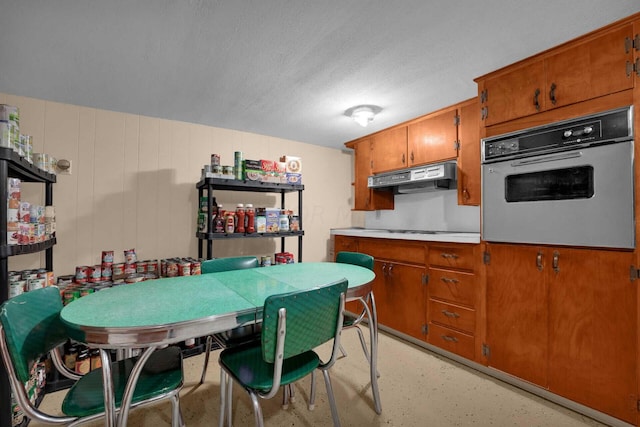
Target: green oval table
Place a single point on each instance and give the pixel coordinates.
(154, 313)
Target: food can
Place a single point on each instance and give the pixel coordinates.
(184, 268)
(215, 160)
(141, 267)
(135, 278)
(16, 288)
(172, 268)
(94, 273)
(14, 276)
(107, 270)
(228, 171)
(117, 270)
(265, 261)
(196, 268)
(152, 266)
(130, 269)
(81, 273)
(107, 256)
(130, 256)
(237, 164)
(37, 283)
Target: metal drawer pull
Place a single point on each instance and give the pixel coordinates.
(539, 261)
(449, 338)
(450, 314)
(446, 255)
(448, 280)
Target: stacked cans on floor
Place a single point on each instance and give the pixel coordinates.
(174, 267)
(29, 280)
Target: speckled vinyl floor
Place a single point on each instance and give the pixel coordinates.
(417, 388)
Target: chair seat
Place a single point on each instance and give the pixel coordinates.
(239, 336)
(246, 363)
(349, 320)
(161, 374)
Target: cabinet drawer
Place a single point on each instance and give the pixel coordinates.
(453, 341)
(394, 250)
(453, 286)
(453, 316)
(459, 257)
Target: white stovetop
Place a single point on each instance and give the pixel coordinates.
(428, 236)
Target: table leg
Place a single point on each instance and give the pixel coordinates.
(107, 387)
(372, 315)
(131, 386)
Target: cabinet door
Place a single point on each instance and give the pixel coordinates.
(469, 154)
(344, 243)
(517, 314)
(366, 199)
(389, 150)
(593, 332)
(433, 139)
(515, 93)
(400, 297)
(591, 69)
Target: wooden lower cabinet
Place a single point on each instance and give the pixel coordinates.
(565, 320)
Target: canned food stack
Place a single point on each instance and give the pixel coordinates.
(26, 222)
(10, 127)
(29, 280)
(174, 267)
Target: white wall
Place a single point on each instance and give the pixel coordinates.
(432, 211)
(133, 185)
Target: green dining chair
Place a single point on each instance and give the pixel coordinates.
(293, 325)
(30, 327)
(241, 334)
(351, 320)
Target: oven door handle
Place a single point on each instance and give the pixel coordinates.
(545, 159)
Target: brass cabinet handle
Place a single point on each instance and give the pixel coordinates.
(449, 280)
(450, 314)
(449, 338)
(556, 261)
(384, 268)
(465, 194)
(536, 102)
(539, 261)
(389, 270)
(552, 93)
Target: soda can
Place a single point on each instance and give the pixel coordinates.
(215, 160)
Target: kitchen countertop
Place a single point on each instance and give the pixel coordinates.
(422, 235)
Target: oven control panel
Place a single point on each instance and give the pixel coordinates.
(603, 128)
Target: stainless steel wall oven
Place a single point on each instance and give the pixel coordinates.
(566, 183)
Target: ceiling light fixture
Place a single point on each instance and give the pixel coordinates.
(363, 114)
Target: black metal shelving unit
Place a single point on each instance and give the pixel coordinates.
(14, 166)
(209, 185)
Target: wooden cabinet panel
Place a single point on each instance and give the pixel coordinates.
(452, 256)
(433, 138)
(389, 150)
(514, 93)
(344, 243)
(453, 316)
(517, 312)
(590, 69)
(453, 286)
(469, 154)
(593, 332)
(394, 250)
(400, 297)
(366, 199)
(453, 341)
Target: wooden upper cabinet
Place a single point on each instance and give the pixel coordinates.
(469, 153)
(592, 66)
(433, 138)
(389, 150)
(366, 199)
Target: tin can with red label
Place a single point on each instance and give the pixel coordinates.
(184, 268)
(94, 273)
(196, 268)
(152, 266)
(172, 268)
(141, 267)
(107, 256)
(81, 273)
(130, 256)
(107, 270)
(130, 268)
(118, 270)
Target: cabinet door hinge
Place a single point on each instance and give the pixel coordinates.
(483, 96)
(634, 273)
(486, 258)
(631, 43)
(633, 66)
(486, 351)
(456, 120)
(484, 113)
(425, 329)
(425, 279)
(456, 145)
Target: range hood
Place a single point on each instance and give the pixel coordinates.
(440, 176)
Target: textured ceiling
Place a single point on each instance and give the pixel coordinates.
(281, 68)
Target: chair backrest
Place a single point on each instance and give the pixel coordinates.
(355, 258)
(31, 327)
(312, 318)
(217, 265)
